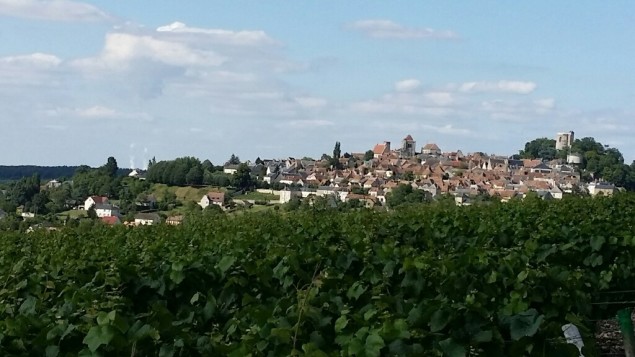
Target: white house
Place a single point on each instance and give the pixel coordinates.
(286, 195)
(53, 184)
(230, 169)
(94, 200)
(603, 188)
(431, 149)
(106, 210)
(141, 219)
(212, 198)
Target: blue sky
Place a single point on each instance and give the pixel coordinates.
(82, 81)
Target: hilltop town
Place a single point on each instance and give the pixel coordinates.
(382, 177)
(371, 176)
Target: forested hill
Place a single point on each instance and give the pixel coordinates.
(8, 173)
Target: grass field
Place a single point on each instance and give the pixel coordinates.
(257, 196)
(75, 213)
(183, 194)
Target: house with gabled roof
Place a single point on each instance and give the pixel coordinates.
(146, 219)
(381, 149)
(431, 149)
(94, 200)
(601, 188)
(230, 169)
(541, 168)
(212, 198)
(106, 210)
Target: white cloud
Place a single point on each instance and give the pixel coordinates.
(54, 10)
(95, 112)
(503, 86)
(37, 60)
(189, 61)
(386, 29)
(407, 85)
(122, 49)
(243, 38)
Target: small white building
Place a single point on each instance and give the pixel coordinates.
(230, 169)
(106, 210)
(601, 188)
(53, 184)
(431, 149)
(94, 200)
(212, 198)
(146, 219)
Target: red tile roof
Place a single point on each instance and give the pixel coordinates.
(99, 199)
(380, 149)
(112, 220)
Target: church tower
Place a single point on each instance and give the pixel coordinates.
(408, 146)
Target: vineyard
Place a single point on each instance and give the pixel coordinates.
(434, 280)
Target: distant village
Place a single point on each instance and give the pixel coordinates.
(369, 177)
(431, 169)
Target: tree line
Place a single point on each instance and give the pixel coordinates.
(192, 172)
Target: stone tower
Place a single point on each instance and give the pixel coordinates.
(408, 146)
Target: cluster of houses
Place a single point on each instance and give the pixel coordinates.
(110, 213)
(462, 176)
(369, 178)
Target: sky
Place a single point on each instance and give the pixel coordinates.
(84, 80)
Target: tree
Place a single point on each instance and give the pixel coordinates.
(294, 204)
(207, 166)
(242, 177)
(38, 203)
(92, 214)
(541, 148)
(337, 152)
(58, 197)
(405, 194)
(233, 160)
(152, 162)
(194, 176)
(369, 155)
(111, 167)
